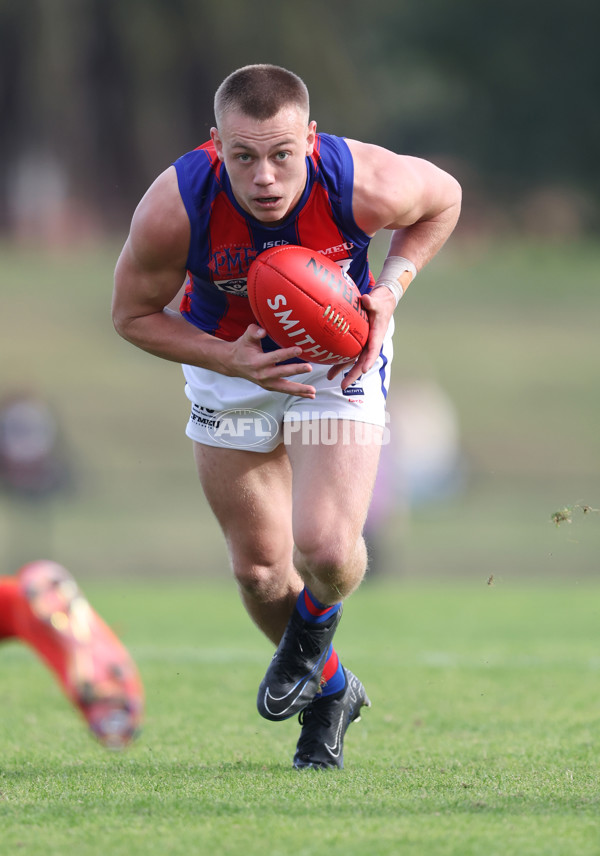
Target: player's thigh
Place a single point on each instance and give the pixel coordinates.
(250, 495)
(333, 478)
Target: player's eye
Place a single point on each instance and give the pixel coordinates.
(244, 157)
(282, 156)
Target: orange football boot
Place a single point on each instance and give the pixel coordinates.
(96, 671)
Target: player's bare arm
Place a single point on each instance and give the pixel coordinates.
(149, 274)
(420, 204)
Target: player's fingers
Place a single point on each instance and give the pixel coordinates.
(283, 354)
(368, 358)
(254, 333)
(353, 375)
(290, 369)
(367, 301)
(270, 373)
(334, 371)
(301, 390)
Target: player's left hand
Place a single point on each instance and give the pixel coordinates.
(379, 305)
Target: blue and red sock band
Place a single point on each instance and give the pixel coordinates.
(333, 678)
(311, 609)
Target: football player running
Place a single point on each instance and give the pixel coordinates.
(291, 507)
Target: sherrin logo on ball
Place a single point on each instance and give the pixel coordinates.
(301, 297)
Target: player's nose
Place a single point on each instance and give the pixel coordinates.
(263, 174)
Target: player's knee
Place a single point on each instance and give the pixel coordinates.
(326, 557)
(261, 562)
(259, 581)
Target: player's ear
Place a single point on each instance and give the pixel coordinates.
(214, 135)
(310, 137)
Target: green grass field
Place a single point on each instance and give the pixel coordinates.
(481, 738)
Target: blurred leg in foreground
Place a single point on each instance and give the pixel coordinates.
(44, 607)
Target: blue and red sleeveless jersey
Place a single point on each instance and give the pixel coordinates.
(225, 239)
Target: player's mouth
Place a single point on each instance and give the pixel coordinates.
(267, 201)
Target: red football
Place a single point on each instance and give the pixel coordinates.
(301, 297)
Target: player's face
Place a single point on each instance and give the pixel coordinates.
(266, 160)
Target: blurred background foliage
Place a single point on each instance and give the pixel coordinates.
(98, 96)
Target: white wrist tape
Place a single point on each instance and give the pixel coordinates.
(393, 268)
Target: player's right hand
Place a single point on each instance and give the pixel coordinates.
(248, 360)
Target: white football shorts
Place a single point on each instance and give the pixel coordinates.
(232, 412)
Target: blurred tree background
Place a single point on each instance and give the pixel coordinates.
(98, 96)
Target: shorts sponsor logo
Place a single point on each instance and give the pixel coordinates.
(204, 416)
(353, 389)
(243, 429)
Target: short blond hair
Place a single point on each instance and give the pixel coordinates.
(261, 91)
